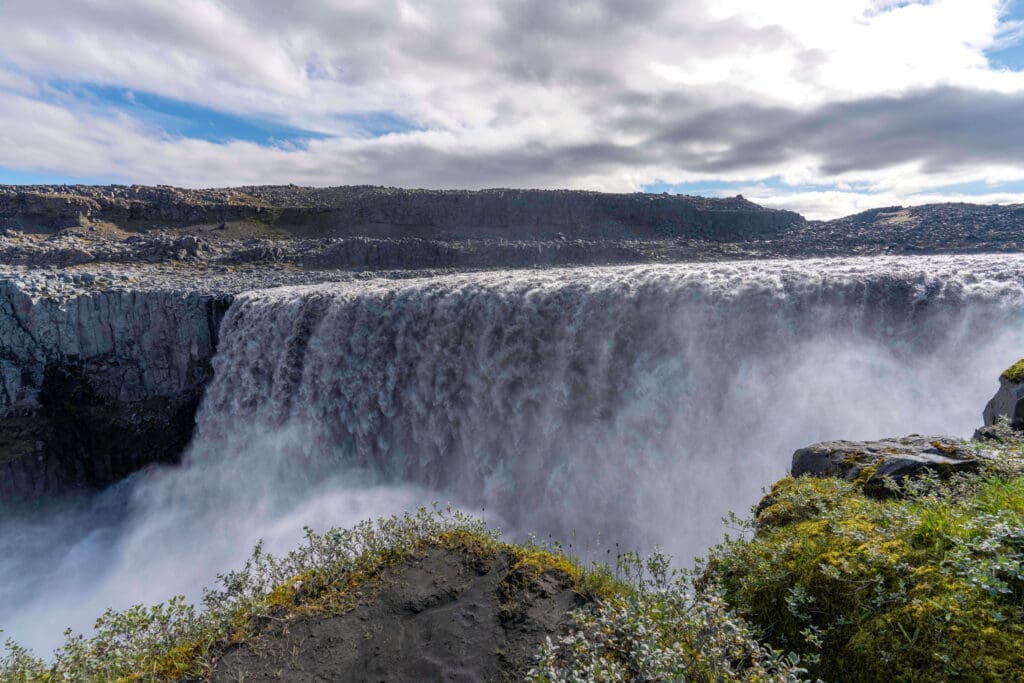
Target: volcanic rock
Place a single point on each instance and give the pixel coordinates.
(446, 616)
(871, 462)
(1009, 399)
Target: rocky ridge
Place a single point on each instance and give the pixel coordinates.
(373, 227)
(870, 463)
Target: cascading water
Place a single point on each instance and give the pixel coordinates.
(632, 405)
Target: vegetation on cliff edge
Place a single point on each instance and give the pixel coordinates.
(645, 620)
(329, 573)
(1014, 373)
(924, 586)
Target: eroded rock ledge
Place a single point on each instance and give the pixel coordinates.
(897, 458)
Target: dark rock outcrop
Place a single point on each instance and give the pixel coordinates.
(871, 462)
(446, 616)
(929, 228)
(1009, 399)
(94, 386)
(392, 212)
(379, 227)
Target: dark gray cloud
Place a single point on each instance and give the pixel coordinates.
(943, 128)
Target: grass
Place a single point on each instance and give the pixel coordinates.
(927, 585)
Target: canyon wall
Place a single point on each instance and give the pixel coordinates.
(98, 384)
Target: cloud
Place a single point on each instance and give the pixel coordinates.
(828, 204)
(892, 98)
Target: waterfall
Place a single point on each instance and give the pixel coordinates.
(641, 402)
(621, 405)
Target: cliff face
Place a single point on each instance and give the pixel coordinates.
(48, 208)
(98, 384)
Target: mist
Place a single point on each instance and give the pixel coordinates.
(628, 405)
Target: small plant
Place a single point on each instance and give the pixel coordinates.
(660, 630)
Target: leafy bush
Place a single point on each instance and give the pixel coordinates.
(925, 586)
(659, 630)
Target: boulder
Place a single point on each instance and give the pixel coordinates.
(1009, 400)
(870, 462)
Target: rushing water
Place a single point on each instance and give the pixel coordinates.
(630, 405)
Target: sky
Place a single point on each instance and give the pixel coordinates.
(826, 108)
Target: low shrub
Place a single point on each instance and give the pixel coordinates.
(328, 573)
(927, 585)
(661, 630)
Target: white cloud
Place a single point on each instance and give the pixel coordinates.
(828, 204)
(610, 94)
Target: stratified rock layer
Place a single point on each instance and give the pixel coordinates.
(392, 212)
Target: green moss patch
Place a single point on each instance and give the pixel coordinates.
(1014, 373)
(925, 587)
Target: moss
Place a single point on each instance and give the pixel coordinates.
(865, 475)
(318, 592)
(901, 588)
(793, 500)
(1014, 373)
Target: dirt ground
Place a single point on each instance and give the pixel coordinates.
(446, 616)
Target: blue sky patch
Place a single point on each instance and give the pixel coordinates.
(1012, 55)
(978, 188)
(377, 123)
(722, 188)
(13, 176)
(185, 119)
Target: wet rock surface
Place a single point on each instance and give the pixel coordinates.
(96, 385)
(871, 462)
(446, 616)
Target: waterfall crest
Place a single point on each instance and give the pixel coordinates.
(600, 399)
